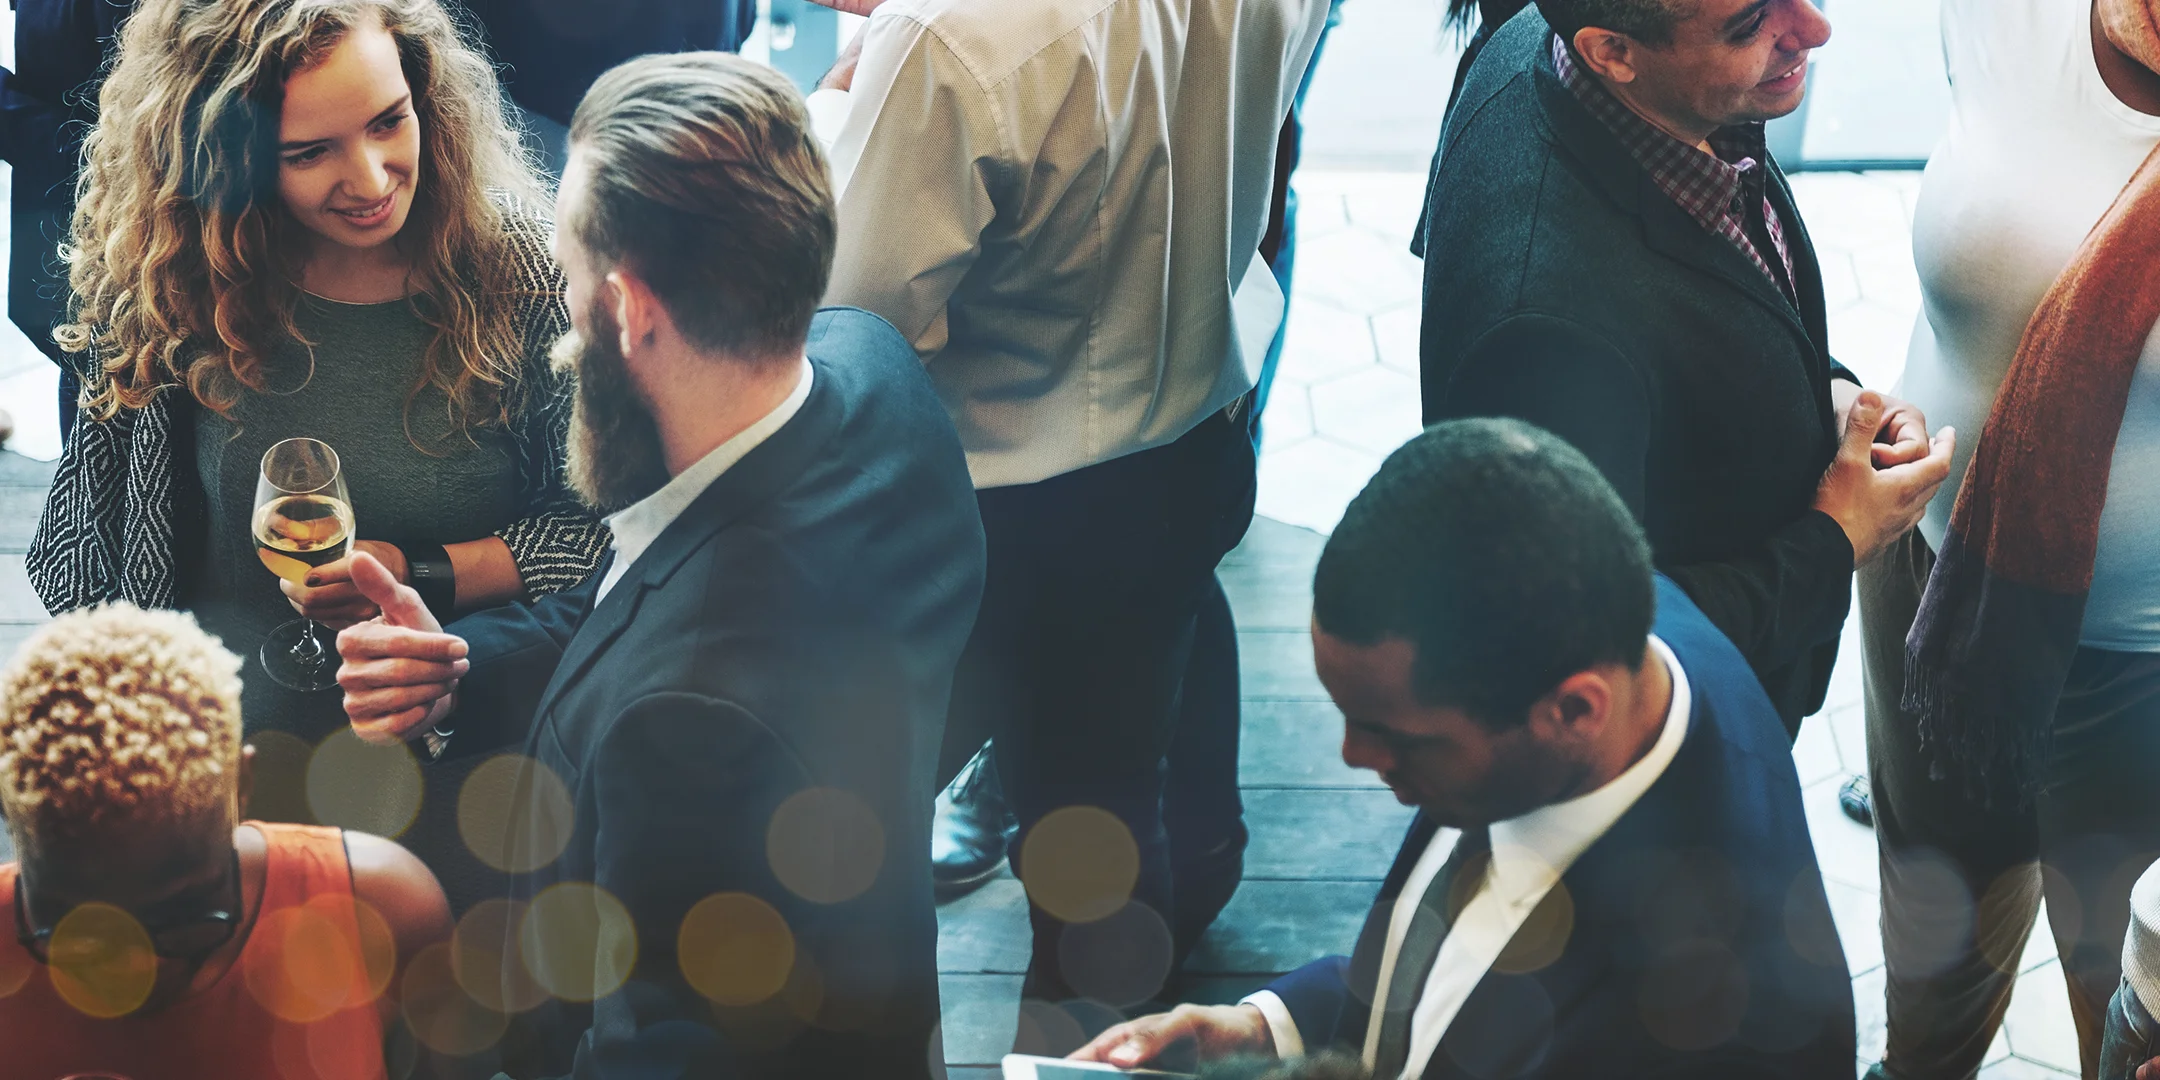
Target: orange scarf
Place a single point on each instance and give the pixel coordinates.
(1998, 624)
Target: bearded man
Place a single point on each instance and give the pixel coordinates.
(720, 819)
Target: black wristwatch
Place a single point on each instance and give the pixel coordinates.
(428, 570)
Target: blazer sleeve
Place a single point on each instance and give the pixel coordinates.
(515, 649)
(683, 787)
(1320, 1003)
(1776, 600)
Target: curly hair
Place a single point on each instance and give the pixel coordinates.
(181, 254)
(112, 712)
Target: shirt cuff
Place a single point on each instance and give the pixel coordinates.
(1288, 1042)
(829, 110)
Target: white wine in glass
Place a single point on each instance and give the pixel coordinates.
(297, 533)
(303, 519)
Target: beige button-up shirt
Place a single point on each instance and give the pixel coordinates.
(1055, 201)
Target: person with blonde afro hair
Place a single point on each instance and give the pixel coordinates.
(157, 933)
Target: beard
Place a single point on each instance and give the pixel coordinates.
(615, 455)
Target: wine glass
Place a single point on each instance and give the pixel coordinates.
(303, 519)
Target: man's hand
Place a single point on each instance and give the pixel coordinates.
(330, 597)
(401, 671)
(1876, 504)
(851, 7)
(1215, 1031)
(1901, 437)
(2150, 1070)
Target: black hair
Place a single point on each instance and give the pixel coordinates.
(1504, 558)
(1489, 13)
(1648, 21)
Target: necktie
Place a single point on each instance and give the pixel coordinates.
(1451, 889)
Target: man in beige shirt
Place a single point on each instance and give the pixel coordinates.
(1059, 203)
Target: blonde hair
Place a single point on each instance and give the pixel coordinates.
(181, 255)
(115, 713)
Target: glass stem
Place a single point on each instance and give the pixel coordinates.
(308, 651)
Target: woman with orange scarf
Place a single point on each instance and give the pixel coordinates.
(2015, 730)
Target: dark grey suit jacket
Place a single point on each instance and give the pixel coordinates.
(1564, 288)
(754, 709)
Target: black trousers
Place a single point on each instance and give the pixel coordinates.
(1962, 878)
(1096, 583)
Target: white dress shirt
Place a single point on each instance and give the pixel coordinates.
(1529, 856)
(636, 526)
(1054, 201)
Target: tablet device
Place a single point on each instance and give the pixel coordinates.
(1028, 1067)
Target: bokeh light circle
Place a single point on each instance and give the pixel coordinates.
(514, 814)
(825, 844)
(440, 1014)
(358, 785)
(578, 941)
(735, 949)
(378, 947)
(1080, 864)
(1543, 935)
(101, 961)
(302, 968)
(477, 957)
(1121, 960)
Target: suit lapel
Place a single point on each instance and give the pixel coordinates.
(762, 474)
(1667, 229)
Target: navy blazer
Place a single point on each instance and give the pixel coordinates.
(755, 708)
(1699, 942)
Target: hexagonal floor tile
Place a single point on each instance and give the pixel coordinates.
(1845, 851)
(2039, 1024)
(1358, 269)
(1310, 483)
(1396, 331)
(1323, 341)
(1376, 409)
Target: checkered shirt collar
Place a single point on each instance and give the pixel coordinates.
(1704, 186)
(1708, 187)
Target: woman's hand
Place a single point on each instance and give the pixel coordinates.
(330, 597)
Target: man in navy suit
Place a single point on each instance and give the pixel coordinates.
(720, 816)
(1609, 873)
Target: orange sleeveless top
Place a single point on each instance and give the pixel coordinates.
(298, 1003)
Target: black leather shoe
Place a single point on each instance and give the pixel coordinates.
(971, 829)
(1857, 800)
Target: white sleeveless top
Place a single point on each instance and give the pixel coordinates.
(2038, 149)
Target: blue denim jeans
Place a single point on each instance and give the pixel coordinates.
(2132, 1038)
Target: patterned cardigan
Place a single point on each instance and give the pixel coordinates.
(126, 507)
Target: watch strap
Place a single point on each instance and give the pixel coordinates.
(429, 571)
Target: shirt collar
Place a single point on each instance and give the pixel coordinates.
(1707, 186)
(1534, 850)
(639, 524)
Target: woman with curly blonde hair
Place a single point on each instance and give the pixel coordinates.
(308, 218)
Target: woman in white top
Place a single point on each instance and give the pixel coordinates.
(2051, 120)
